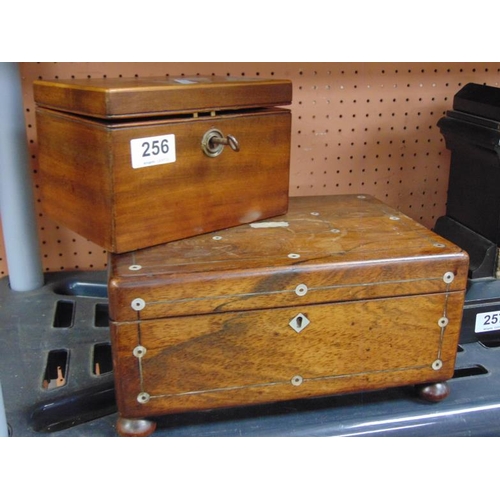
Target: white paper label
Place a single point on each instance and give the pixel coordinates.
(185, 81)
(260, 225)
(152, 151)
(487, 322)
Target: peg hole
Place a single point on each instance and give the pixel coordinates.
(63, 316)
(101, 316)
(102, 360)
(56, 369)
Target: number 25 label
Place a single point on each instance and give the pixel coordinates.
(486, 322)
(151, 151)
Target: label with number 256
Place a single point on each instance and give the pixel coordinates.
(152, 151)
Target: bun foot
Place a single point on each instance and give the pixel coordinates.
(434, 392)
(132, 427)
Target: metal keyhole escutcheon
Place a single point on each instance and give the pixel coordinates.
(213, 142)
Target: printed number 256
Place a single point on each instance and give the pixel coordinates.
(155, 148)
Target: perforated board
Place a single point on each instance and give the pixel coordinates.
(356, 128)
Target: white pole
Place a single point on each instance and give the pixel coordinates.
(3, 419)
(16, 191)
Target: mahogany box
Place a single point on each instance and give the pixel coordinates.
(342, 294)
(130, 163)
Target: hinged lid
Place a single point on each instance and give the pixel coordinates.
(114, 98)
(325, 249)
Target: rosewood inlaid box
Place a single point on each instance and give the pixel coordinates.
(341, 294)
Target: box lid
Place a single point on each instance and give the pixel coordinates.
(115, 98)
(325, 249)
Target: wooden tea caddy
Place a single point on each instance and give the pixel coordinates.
(130, 163)
(342, 294)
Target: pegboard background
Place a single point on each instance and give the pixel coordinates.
(356, 128)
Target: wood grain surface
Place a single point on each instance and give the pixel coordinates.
(368, 299)
(89, 185)
(123, 98)
(340, 247)
(252, 357)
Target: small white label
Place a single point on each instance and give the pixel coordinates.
(487, 322)
(151, 151)
(184, 81)
(263, 225)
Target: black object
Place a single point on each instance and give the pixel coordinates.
(74, 408)
(55, 354)
(483, 297)
(482, 252)
(472, 220)
(479, 100)
(472, 134)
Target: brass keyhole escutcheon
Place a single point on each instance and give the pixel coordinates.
(213, 142)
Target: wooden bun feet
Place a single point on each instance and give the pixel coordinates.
(134, 427)
(433, 393)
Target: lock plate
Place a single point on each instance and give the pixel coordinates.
(299, 322)
(213, 142)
